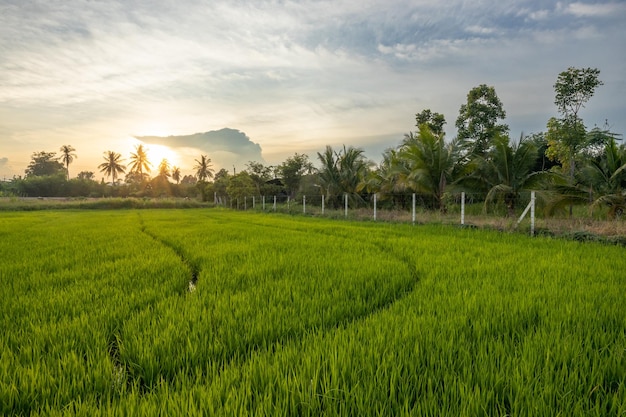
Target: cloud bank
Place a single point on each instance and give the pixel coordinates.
(226, 146)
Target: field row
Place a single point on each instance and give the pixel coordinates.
(301, 316)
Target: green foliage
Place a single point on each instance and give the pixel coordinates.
(44, 164)
(429, 165)
(240, 186)
(433, 120)
(573, 88)
(297, 316)
(477, 123)
(292, 170)
(508, 170)
(342, 173)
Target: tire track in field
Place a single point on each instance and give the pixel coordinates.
(122, 377)
(193, 267)
(241, 353)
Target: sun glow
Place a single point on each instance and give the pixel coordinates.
(157, 153)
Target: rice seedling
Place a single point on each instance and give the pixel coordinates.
(303, 316)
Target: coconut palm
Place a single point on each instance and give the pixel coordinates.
(67, 157)
(203, 167)
(607, 177)
(428, 164)
(342, 172)
(164, 169)
(112, 165)
(508, 169)
(176, 174)
(139, 161)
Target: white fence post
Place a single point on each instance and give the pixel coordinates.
(346, 204)
(215, 197)
(532, 213)
(531, 207)
(274, 203)
(375, 206)
(303, 204)
(288, 203)
(263, 202)
(463, 208)
(413, 210)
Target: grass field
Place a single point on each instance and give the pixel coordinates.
(213, 312)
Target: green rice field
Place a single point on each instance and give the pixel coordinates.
(220, 313)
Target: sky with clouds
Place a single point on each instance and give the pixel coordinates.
(287, 76)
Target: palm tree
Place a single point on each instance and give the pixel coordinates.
(203, 168)
(164, 169)
(343, 172)
(176, 174)
(67, 157)
(509, 169)
(607, 176)
(139, 161)
(428, 164)
(112, 165)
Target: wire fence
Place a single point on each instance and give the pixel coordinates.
(454, 208)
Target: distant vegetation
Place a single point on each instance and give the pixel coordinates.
(216, 312)
(568, 165)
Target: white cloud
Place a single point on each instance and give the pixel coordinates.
(596, 10)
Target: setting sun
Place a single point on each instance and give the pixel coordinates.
(156, 153)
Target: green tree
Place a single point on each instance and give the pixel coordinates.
(139, 161)
(567, 136)
(240, 186)
(86, 175)
(434, 121)
(67, 157)
(112, 165)
(292, 171)
(44, 164)
(341, 173)
(203, 167)
(220, 183)
(429, 164)
(477, 123)
(509, 170)
(607, 178)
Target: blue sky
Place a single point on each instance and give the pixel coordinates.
(291, 76)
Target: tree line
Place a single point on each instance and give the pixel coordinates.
(567, 164)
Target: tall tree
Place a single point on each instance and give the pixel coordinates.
(567, 136)
(477, 123)
(509, 170)
(343, 173)
(44, 164)
(139, 161)
(112, 165)
(203, 167)
(67, 157)
(607, 178)
(176, 174)
(429, 164)
(433, 120)
(164, 169)
(292, 171)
